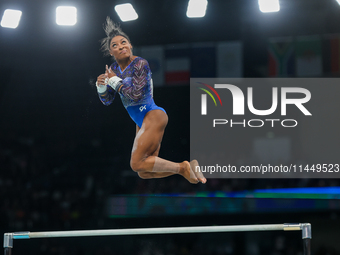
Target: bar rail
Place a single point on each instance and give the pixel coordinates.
(304, 227)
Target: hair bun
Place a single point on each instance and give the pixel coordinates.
(111, 30)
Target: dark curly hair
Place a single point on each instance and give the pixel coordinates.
(111, 29)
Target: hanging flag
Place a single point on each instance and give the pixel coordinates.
(281, 62)
(155, 57)
(229, 59)
(177, 64)
(308, 56)
(331, 54)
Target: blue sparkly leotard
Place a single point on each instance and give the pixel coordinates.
(136, 91)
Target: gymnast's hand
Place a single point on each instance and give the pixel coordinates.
(109, 72)
(102, 79)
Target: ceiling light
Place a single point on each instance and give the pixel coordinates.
(66, 15)
(269, 5)
(197, 8)
(126, 12)
(11, 18)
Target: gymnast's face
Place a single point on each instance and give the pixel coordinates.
(120, 48)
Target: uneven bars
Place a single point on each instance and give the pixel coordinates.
(305, 227)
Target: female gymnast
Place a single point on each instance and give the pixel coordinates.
(130, 77)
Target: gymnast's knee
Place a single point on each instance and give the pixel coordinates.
(144, 175)
(136, 166)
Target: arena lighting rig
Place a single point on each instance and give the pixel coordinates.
(67, 15)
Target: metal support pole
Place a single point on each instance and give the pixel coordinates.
(306, 236)
(8, 243)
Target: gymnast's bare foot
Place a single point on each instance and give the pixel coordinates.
(195, 168)
(187, 173)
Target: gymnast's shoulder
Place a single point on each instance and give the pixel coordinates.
(139, 61)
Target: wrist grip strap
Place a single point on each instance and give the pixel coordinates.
(101, 88)
(115, 82)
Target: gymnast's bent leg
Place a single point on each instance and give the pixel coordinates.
(151, 175)
(144, 156)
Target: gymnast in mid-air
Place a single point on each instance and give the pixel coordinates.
(130, 77)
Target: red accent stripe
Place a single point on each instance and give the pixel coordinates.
(177, 77)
